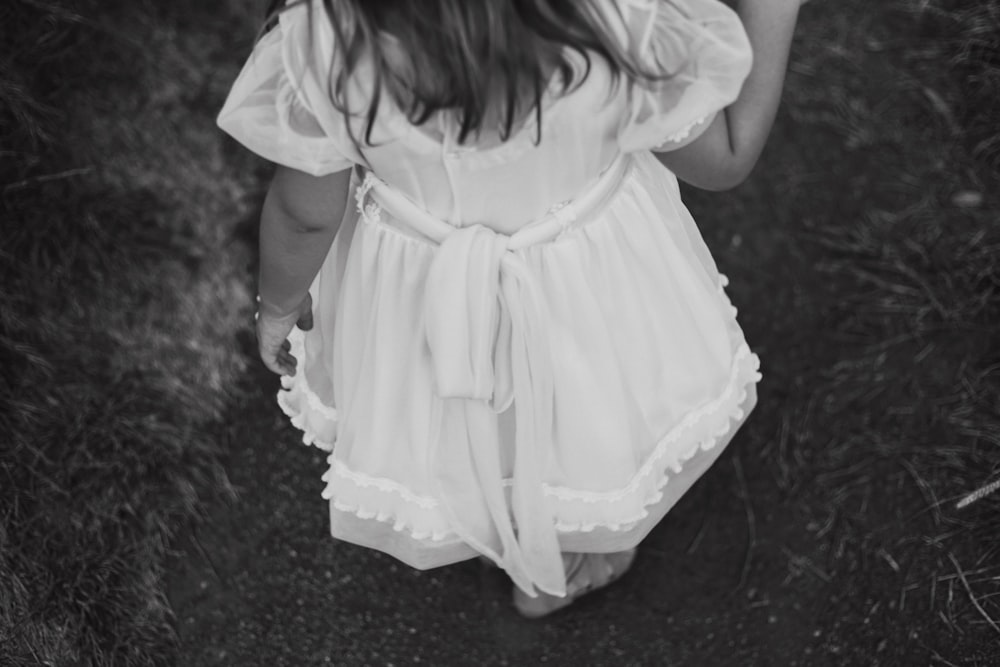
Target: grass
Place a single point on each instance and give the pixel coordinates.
(124, 289)
(966, 35)
(898, 445)
(117, 319)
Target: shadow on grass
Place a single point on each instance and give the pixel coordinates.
(121, 290)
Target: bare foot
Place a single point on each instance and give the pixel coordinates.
(585, 573)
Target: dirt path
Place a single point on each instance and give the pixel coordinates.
(270, 588)
(753, 567)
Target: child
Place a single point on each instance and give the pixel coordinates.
(517, 337)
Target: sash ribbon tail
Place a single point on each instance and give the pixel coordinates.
(486, 333)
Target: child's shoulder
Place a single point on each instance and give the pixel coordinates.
(306, 34)
(702, 55)
(278, 106)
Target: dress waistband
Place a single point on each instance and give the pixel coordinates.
(546, 228)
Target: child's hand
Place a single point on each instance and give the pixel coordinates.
(272, 336)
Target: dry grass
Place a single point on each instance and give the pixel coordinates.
(123, 286)
(122, 291)
(898, 447)
(966, 35)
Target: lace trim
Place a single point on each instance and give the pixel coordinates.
(686, 424)
(294, 389)
(654, 463)
(685, 131)
(297, 387)
(298, 420)
(721, 287)
(566, 493)
(430, 504)
(370, 212)
(383, 484)
(398, 524)
(735, 415)
(308, 438)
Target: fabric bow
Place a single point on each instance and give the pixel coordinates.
(485, 328)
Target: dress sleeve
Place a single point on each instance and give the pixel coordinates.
(703, 48)
(278, 109)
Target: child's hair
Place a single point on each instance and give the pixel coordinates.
(470, 56)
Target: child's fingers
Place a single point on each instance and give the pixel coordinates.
(305, 321)
(274, 366)
(287, 363)
(274, 346)
(277, 356)
(281, 363)
(305, 313)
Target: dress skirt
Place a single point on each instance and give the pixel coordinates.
(514, 396)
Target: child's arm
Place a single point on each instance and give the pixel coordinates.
(723, 156)
(300, 217)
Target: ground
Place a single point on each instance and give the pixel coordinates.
(755, 566)
(861, 254)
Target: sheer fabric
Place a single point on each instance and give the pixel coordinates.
(279, 107)
(502, 362)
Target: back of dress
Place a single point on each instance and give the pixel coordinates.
(521, 349)
(280, 108)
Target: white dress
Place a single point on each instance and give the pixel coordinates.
(523, 348)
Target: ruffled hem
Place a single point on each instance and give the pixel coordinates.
(702, 430)
(316, 420)
(357, 494)
(685, 132)
(575, 511)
